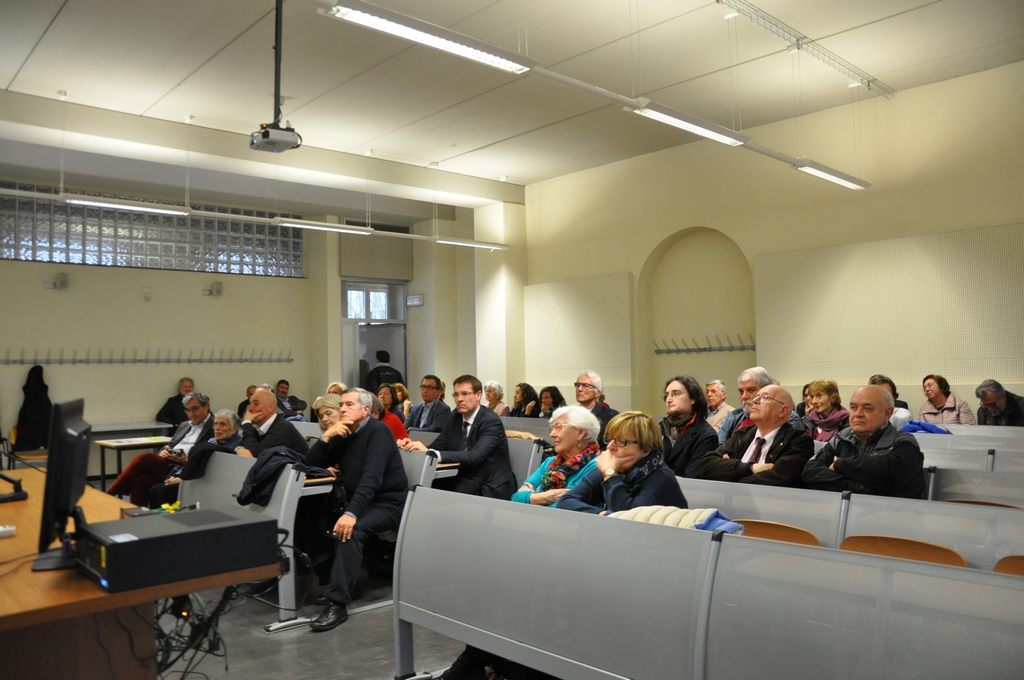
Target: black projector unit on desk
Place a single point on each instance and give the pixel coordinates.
(125, 554)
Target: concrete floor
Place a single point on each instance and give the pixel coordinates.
(361, 648)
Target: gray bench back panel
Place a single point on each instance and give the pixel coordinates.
(225, 473)
(535, 426)
(784, 611)
(994, 431)
(419, 467)
(817, 511)
(1009, 461)
(307, 429)
(617, 595)
(1002, 487)
(524, 456)
(967, 442)
(980, 533)
(425, 437)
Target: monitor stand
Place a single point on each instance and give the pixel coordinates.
(63, 556)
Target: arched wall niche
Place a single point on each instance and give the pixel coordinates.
(696, 282)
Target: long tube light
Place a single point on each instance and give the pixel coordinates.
(685, 121)
(827, 173)
(322, 226)
(425, 33)
(472, 244)
(118, 204)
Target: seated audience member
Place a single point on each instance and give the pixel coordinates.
(943, 407)
(225, 438)
(337, 388)
(244, 406)
(999, 407)
(525, 402)
(550, 399)
(773, 452)
(871, 455)
(172, 412)
(432, 414)
(370, 470)
(442, 391)
(804, 406)
(886, 382)
(574, 434)
(749, 384)
(393, 422)
(403, 400)
(589, 388)
(474, 438)
(629, 473)
(291, 406)
(150, 469)
(382, 373)
(715, 393)
(262, 427)
(687, 436)
(389, 397)
(494, 393)
(827, 415)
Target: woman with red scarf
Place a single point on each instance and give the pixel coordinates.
(574, 432)
(827, 417)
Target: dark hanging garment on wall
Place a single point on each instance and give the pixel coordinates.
(34, 417)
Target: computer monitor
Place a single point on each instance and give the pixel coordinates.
(66, 469)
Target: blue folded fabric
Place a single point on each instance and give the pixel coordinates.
(921, 426)
(717, 522)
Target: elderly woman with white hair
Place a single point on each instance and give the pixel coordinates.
(494, 392)
(574, 433)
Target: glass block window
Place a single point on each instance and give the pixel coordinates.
(45, 230)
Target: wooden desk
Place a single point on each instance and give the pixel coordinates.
(137, 429)
(120, 445)
(51, 621)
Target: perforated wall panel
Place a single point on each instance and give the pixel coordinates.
(949, 303)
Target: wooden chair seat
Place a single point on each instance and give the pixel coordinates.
(777, 531)
(974, 501)
(906, 548)
(14, 456)
(1011, 564)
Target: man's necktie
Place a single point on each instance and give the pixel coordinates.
(757, 451)
(465, 436)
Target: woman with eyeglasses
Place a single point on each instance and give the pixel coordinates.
(574, 434)
(943, 407)
(629, 473)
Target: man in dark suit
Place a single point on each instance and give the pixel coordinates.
(370, 469)
(290, 405)
(149, 469)
(382, 373)
(770, 452)
(263, 428)
(173, 410)
(432, 414)
(589, 387)
(474, 438)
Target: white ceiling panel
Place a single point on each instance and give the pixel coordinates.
(23, 21)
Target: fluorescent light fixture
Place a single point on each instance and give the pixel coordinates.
(685, 121)
(118, 204)
(322, 226)
(731, 15)
(853, 85)
(62, 95)
(827, 173)
(424, 33)
(472, 244)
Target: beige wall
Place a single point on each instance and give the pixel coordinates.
(103, 309)
(943, 157)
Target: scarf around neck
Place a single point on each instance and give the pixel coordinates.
(829, 426)
(557, 474)
(635, 477)
(673, 426)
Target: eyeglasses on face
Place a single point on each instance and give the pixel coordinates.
(620, 442)
(429, 387)
(464, 395)
(586, 386)
(194, 409)
(761, 398)
(560, 426)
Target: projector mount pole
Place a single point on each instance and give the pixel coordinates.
(278, 20)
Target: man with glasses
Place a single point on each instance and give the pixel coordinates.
(149, 469)
(589, 387)
(999, 407)
(748, 385)
(474, 438)
(432, 414)
(772, 452)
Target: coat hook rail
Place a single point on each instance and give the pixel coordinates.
(697, 348)
(110, 357)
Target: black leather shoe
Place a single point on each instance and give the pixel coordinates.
(467, 667)
(321, 601)
(333, 616)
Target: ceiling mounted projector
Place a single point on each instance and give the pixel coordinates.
(274, 138)
(271, 136)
